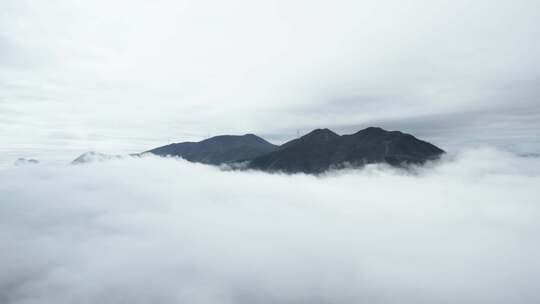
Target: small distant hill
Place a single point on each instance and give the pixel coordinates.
(323, 149)
(25, 161)
(219, 149)
(93, 156)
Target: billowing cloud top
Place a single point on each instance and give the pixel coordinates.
(156, 230)
(126, 76)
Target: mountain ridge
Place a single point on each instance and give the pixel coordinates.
(313, 153)
(323, 149)
(218, 149)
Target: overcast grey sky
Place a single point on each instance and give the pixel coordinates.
(125, 76)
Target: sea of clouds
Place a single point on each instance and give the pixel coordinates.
(154, 230)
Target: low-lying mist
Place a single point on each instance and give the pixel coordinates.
(154, 230)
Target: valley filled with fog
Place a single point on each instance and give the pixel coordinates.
(163, 230)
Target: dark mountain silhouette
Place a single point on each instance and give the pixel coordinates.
(315, 152)
(323, 149)
(219, 149)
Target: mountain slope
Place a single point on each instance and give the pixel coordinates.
(323, 149)
(304, 154)
(219, 149)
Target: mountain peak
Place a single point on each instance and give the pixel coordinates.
(373, 130)
(322, 131)
(218, 149)
(324, 134)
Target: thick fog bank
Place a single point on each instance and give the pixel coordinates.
(156, 230)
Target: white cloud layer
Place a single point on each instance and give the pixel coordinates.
(167, 231)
